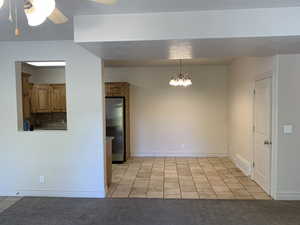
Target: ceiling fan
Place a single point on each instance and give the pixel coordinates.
(37, 12)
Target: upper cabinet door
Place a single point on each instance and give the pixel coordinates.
(117, 89)
(58, 98)
(41, 98)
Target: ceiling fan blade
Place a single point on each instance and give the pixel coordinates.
(58, 17)
(106, 2)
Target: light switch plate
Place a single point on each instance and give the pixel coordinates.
(288, 129)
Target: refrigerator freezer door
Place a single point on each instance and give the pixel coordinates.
(115, 127)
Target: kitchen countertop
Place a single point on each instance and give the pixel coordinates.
(52, 126)
(108, 138)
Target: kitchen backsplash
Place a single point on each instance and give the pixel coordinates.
(44, 120)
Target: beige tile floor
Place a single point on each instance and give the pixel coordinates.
(182, 178)
(6, 202)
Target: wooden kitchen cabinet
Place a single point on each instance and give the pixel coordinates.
(58, 98)
(41, 98)
(46, 98)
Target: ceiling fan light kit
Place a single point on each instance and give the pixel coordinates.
(37, 12)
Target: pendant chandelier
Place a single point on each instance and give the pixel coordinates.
(181, 79)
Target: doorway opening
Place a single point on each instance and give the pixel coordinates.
(191, 142)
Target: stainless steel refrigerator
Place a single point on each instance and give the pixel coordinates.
(115, 127)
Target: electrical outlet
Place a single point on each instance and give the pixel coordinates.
(42, 179)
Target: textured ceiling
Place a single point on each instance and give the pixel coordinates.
(49, 31)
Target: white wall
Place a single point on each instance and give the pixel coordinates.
(242, 74)
(45, 75)
(166, 26)
(288, 113)
(71, 161)
(170, 121)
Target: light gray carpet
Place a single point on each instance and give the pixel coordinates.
(67, 211)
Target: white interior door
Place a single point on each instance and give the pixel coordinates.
(262, 133)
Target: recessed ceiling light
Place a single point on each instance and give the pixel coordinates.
(52, 63)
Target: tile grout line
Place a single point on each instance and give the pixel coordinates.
(178, 180)
(226, 183)
(211, 187)
(193, 178)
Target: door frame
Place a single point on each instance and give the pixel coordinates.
(274, 126)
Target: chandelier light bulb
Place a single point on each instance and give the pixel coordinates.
(172, 82)
(188, 83)
(180, 82)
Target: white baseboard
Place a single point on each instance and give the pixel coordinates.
(288, 196)
(8, 194)
(243, 164)
(178, 154)
(56, 193)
